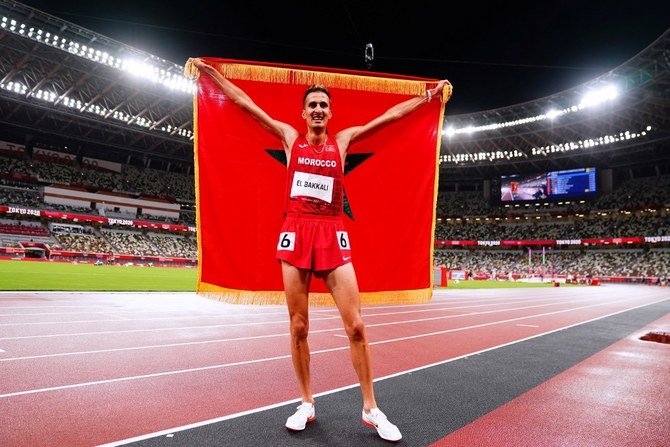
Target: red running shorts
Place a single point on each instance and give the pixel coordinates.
(314, 242)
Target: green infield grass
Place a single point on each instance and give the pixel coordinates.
(26, 275)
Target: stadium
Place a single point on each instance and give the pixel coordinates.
(551, 260)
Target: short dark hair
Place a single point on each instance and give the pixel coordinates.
(315, 88)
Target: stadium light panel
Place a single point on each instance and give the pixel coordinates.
(553, 114)
(606, 93)
(599, 96)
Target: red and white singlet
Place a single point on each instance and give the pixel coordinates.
(315, 179)
(313, 235)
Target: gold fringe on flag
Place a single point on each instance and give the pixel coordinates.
(445, 97)
(272, 297)
(283, 75)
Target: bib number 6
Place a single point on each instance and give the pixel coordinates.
(286, 241)
(343, 240)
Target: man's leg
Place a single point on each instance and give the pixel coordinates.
(341, 283)
(296, 285)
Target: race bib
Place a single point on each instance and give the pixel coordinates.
(343, 240)
(286, 241)
(312, 185)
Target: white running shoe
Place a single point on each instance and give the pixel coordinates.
(377, 420)
(301, 417)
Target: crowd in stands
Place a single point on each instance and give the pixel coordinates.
(131, 179)
(632, 263)
(84, 239)
(131, 243)
(620, 214)
(620, 225)
(179, 247)
(463, 204)
(637, 193)
(19, 197)
(84, 243)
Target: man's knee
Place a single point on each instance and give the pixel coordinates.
(356, 331)
(299, 327)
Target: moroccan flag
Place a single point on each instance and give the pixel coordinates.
(390, 182)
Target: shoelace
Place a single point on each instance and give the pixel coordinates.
(379, 415)
(304, 408)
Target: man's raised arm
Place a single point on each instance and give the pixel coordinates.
(283, 131)
(349, 136)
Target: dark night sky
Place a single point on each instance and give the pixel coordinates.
(494, 53)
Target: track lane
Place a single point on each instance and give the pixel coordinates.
(180, 399)
(48, 372)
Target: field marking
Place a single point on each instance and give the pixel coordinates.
(348, 387)
(282, 313)
(323, 351)
(265, 322)
(527, 325)
(340, 335)
(2, 350)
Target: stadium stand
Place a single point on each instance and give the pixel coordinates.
(131, 179)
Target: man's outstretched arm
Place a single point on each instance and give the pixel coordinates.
(349, 136)
(283, 131)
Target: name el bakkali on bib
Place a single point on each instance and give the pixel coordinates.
(312, 185)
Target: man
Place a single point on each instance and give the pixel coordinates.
(313, 239)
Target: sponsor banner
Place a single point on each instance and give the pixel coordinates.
(21, 211)
(95, 163)
(73, 217)
(127, 222)
(12, 250)
(12, 149)
(54, 156)
(488, 243)
(617, 241)
(569, 242)
(92, 218)
(464, 243)
(528, 242)
(657, 239)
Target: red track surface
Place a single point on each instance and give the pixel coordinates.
(83, 369)
(617, 398)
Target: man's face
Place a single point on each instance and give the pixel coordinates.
(316, 110)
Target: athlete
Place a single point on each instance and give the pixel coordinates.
(313, 239)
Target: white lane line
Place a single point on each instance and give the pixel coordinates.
(282, 313)
(527, 325)
(356, 385)
(113, 316)
(323, 351)
(53, 307)
(2, 350)
(340, 335)
(275, 335)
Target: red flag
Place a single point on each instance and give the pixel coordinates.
(390, 182)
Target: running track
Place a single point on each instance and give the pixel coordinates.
(80, 369)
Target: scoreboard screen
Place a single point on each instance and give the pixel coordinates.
(552, 185)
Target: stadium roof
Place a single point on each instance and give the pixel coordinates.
(61, 79)
(64, 80)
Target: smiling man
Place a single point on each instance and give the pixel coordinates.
(313, 239)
